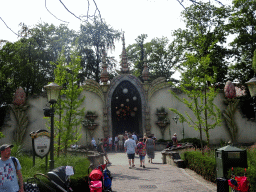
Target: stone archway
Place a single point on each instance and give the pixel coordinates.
(115, 90)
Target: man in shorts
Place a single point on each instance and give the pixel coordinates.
(130, 148)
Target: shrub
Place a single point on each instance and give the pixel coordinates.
(201, 164)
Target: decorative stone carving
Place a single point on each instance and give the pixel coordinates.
(20, 112)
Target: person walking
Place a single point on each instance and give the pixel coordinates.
(10, 171)
(130, 148)
(102, 149)
(150, 147)
(141, 147)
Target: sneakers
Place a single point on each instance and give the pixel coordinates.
(130, 167)
(133, 165)
(140, 165)
(144, 166)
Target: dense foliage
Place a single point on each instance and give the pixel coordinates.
(205, 165)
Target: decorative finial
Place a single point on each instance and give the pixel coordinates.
(104, 77)
(145, 73)
(124, 64)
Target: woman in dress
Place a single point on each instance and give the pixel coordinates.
(150, 147)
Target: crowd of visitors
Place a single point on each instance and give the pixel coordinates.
(130, 143)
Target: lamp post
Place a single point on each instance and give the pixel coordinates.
(252, 88)
(53, 91)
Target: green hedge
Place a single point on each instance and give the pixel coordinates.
(205, 166)
(201, 164)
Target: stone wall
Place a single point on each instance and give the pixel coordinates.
(247, 129)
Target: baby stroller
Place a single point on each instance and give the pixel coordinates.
(239, 183)
(100, 179)
(60, 177)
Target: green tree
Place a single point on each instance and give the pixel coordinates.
(93, 38)
(197, 85)
(26, 62)
(241, 25)
(204, 19)
(159, 55)
(69, 115)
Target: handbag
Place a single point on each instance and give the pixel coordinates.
(31, 186)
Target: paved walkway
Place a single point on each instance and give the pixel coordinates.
(155, 177)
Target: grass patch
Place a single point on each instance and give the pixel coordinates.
(78, 162)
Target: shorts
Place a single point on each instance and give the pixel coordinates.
(131, 156)
(120, 142)
(142, 157)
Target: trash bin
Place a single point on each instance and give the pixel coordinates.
(222, 185)
(227, 157)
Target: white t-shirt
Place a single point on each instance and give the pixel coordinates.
(8, 177)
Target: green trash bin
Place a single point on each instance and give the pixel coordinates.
(228, 157)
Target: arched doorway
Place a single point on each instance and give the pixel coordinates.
(126, 109)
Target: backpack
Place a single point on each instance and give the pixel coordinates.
(14, 162)
(107, 179)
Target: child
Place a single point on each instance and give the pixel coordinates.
(142, 152)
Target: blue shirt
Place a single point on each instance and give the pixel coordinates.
(130, 145)
(8, 177)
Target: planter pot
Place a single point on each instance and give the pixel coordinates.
(91, 126)
(162, 114)
(162, 124)
(91, 117)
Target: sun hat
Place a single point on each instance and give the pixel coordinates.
(175, 134)
(5, 146)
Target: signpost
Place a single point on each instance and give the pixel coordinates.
(40, 144)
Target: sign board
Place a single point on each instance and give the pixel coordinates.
(41, 142)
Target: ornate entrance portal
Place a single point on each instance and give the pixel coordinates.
(126, 109)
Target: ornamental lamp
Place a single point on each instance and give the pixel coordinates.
(53, 91)
(252, 86)
(176, 118)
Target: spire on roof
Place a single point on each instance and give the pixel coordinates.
(145, 73)
(104, 77)
(124, 63)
